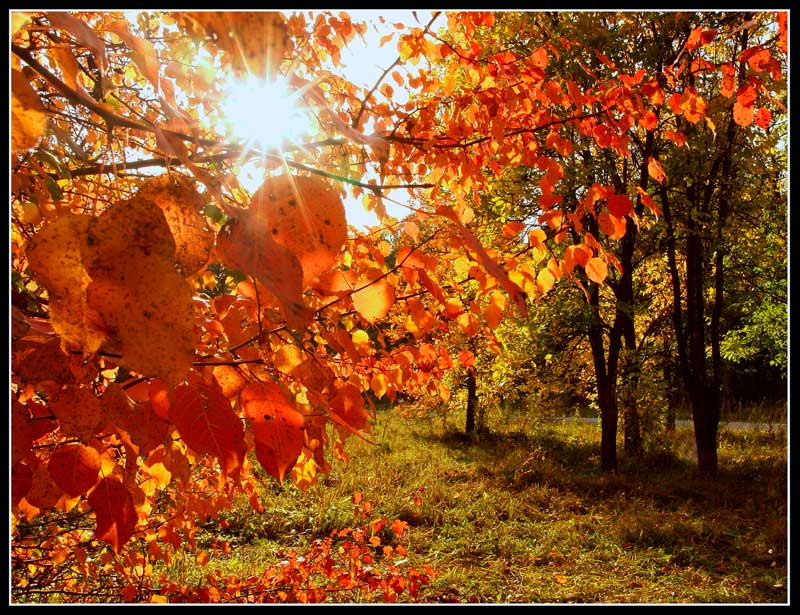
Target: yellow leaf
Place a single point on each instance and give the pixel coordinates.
(55, 259)
(378, 384)
(375, 296)
(545, 280)
(28, 119)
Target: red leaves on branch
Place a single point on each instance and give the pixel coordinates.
(114, 511)
(277, 426)
(208, 425)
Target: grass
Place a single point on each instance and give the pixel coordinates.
(522, 514)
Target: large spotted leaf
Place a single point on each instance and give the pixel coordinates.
(307, 216)
(245, 243)
(147, 306)
(55, 258)
(182, 204)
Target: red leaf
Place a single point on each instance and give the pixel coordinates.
(763, 117)
(208, 425)
(114, 511)
(746, 95)
(75, 469)
(277, 426)
(21, 482)
(619, 205)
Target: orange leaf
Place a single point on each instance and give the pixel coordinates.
(746, 95)
(181, 203)
(763, 118)
(611, 225)
(114, 512)
(348, 406)
(649, 202)
(148, 304)
(378, 384)
(305, 215)
(489, 264)
(78, 411)
(596, 270)
(742, 115)
(278, 428)
(728, 83)
(208, 425)
(374, 297)
(655, 170)
(545, 280)
(75, 469)
(246, 244)
(28, 119)
(513, 228)
(467, 358)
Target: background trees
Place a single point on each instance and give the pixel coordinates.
(177, 330)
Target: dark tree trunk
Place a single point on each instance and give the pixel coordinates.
(606, 376)
(472, 400)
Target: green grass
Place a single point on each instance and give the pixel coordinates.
(522, 514)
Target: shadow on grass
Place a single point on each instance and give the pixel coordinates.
(657, 500)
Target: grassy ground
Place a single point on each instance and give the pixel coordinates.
(523, 515)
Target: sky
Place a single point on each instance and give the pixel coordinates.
(364, 61)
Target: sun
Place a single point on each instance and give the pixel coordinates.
(264, 114)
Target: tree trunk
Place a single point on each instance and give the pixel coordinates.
(606, 377)
(472, 400)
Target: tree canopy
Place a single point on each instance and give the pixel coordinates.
(178, 330)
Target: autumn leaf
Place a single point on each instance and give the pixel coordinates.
(277, 427)
(28, 118)
(596, 269)
(182, 205)
(619, 205)
(374, 296)
(305, 215)
(245, 243)
(545, 280)
(147, 306)
(763, 118)
(21, 482)
(114, 512)
(655, 170)
(75, 469)
(208, 425)
(742, 115)
(78, 411)
(55, 257)
(347, 406)
(255, 42)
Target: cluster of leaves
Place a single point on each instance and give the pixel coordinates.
(142, 402)
(366, 562)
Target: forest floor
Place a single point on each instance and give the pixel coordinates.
(522, 514)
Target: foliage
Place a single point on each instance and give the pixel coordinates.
(176, 333)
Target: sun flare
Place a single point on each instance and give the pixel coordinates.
(263, 114)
